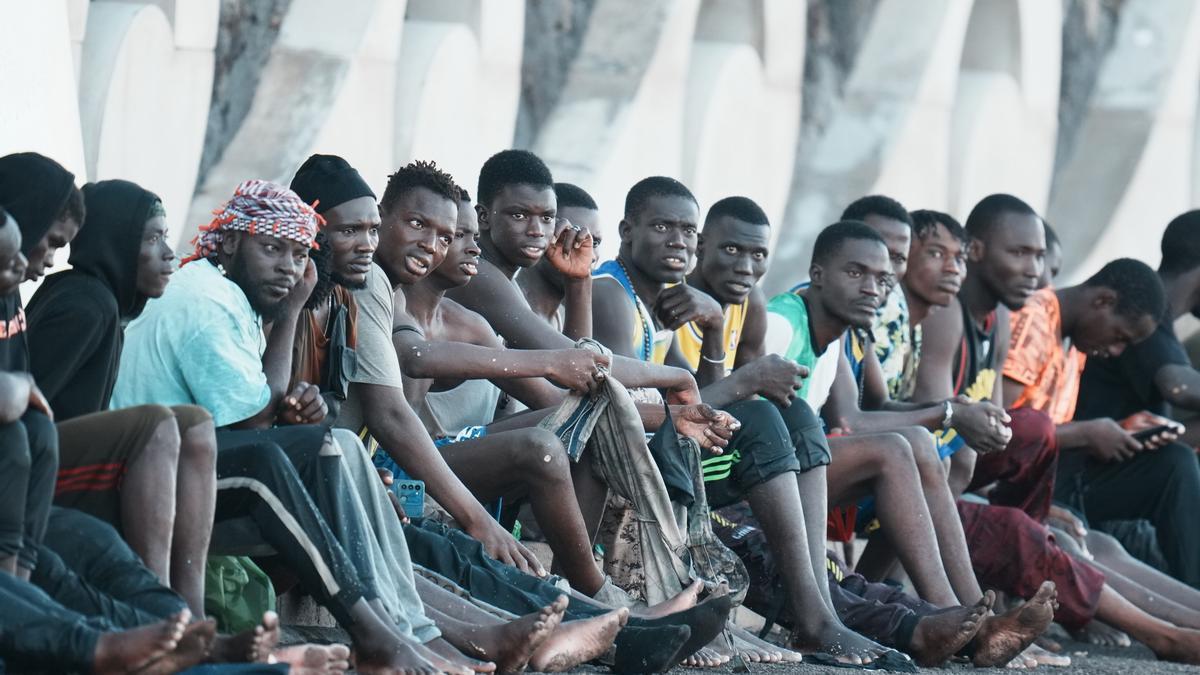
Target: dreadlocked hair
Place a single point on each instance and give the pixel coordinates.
(418, 174)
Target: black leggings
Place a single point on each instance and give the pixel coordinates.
(28, 465)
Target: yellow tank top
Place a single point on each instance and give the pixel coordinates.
(690, 337)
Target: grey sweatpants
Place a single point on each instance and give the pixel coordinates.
(388, 550)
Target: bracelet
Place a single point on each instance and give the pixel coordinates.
(949, 416)
(715, 362)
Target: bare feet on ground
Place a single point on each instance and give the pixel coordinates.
(1044, 657)
(309, 659)
(248, 646)
(939, 636)
(443, 655)
(577, 642)
(1003, 637)
(192, 648)
(510, 646)
(395, 658)
(705, 658)
(840, 642)
(1097, 632)
(132, 650)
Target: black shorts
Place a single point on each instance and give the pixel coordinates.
(772, 440)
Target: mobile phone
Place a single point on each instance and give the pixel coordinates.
(1146, 434)
(411, 494)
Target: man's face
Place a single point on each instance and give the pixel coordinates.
(1104, 333)
(416, 234)
(898, 236)
(12, 262)
(854, 281)
(265, 267)
(733, 257)
(156, 260)
(520, 221)
(352, 231)
(662, 237)
(41, 258)
(1011, 260)
(462, 258)
(937, 265)
(1052, 266)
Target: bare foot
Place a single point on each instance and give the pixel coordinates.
(443, 655)
(511, 645)
(705, 658)
(1046, 658)
(577, 642)
(191, 649)
(131, 650)
(396, 657)
(685, 600)
(707, 619)
(939, 636)
(312, 659)
(1001, 638)
(248, 646)
(1097, 632)
(840, 642)
(754, 650)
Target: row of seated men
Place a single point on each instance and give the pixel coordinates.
(926, 387)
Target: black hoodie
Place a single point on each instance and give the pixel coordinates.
(33, 189)
(76, 317)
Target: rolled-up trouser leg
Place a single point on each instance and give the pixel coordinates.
(1013, 553)
(37, 634)
(86, 567)
(319, 463)
(394, 569)
(258, 480)
(889, 624)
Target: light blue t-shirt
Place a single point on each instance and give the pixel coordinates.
(200, 343)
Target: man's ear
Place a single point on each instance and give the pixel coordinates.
(975, 249)
(699, 247)
(481, 214)
(624, 229)
(230, 242)
(814, 275)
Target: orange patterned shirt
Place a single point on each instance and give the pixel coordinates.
(1037, 360)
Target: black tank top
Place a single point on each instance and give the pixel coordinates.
(976, 353)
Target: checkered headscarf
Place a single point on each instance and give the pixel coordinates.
(259, 207)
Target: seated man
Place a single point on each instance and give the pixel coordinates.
(202, 343)
(658, 239)
(1009, 549)
(1154, 376)
(161, 495)
(28, 444)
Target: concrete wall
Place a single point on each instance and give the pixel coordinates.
(1085, 108)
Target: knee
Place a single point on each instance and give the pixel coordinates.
(799, 416)
(892, 452)
(541, 449)
(39, 437)
(198, 444)
(1031, 428)
(924, 453)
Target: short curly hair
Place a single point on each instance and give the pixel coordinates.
(511, 167)
(877, 205)
(1138, 288)
(418, 174)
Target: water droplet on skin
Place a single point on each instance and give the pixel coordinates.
(546, 459)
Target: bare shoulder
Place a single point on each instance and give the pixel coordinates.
(464, 325)
(943, 327)
(490, 289)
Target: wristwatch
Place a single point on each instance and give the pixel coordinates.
(949, 416)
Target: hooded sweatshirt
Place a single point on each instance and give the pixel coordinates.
(33, 189)
(76, 317)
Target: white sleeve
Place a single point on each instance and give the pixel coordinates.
(779, 334)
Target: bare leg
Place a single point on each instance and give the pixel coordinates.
(591, 493)
(882, 465)
(1168, 641)
(378, 649)
(1109, 553)
(510, 645)
(776, 504)
(814, 498)
(195, 499)
(148, 500)
(532, 462)
(1152, 603)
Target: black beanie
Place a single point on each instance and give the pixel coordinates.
(330, 181)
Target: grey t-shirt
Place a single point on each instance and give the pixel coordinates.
(377, 360)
